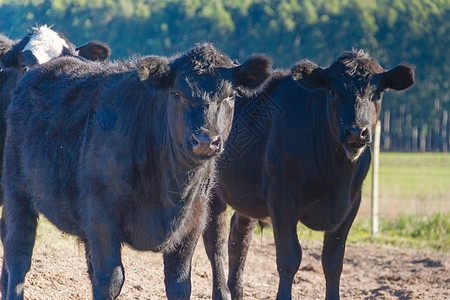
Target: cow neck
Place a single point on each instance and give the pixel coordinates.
(187, 190)
(331, 165)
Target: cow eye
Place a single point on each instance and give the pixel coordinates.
(177, 96)
(332, 92)
(25, 68)
(377, 94)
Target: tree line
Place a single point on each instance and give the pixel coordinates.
(392, 31)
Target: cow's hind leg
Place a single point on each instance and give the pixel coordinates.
(18, 225)
(215, 240)
(333, 252)
(241, 233)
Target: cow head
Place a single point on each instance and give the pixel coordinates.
(43, 44)
(201, 87)
(355, 84)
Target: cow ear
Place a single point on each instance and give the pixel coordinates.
(399, 78)
(253, 72)
(95, 51)
(310, 75)
(155, 71)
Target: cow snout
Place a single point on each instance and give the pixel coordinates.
(205, 145)
(357, 137)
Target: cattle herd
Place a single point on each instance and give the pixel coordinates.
(150, 151)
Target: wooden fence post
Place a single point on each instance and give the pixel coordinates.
(375, 167)
(444, 143)
(386, 130)
(414, 139)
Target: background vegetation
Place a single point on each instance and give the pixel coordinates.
(393, 31)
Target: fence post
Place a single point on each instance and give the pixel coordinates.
(387, 130)
(414, 139)
(375, 167)
(444, 125)
(423, 138)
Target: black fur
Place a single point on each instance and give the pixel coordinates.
(14, 63)
(288, 159)
(106, 152)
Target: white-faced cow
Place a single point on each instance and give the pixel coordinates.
(119, 152)
(298, 151)
(37, 47)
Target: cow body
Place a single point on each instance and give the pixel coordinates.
(119, 153)
(39, 46)
(292, 157)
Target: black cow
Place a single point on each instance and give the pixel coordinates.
(298, 151)
(39, 46)
(119, 152)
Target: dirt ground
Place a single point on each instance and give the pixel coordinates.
(370, 272)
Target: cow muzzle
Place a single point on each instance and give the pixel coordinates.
(356, 137)
(204, 145)
(354, 140)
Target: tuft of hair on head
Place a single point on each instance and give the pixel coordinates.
(45, 44)
(204, 58)
(356, 61)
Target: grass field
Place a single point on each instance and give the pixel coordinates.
(410, 183)
(430, 232)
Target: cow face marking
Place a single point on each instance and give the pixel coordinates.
(355, 84)
(45, 44)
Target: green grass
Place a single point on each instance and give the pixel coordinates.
(429, 232)
(410, 183)
(412, 175)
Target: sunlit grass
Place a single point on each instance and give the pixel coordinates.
(430, 232)
(412, 175)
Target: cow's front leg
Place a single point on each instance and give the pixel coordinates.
(289, 253)
(177, 266)
(333, 251)
(104, 248)
(18, 225)
(215, 240)
(241, 233)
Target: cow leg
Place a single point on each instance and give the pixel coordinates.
(284, 220)
(18, 237)
(333, 252)
(104, 248)
(4, 276)
(177, 266)
(215, 239)
(241, 233)
(88, 255)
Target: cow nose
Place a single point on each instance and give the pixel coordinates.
(204, 144)
(356, 136)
